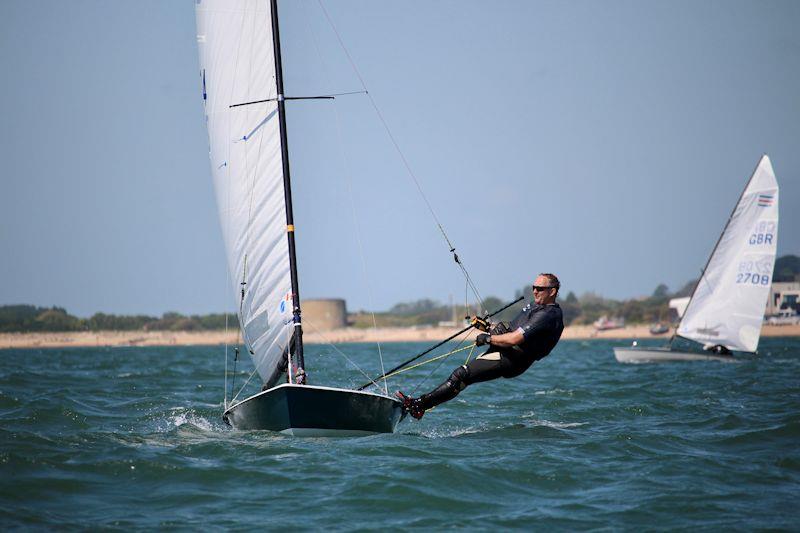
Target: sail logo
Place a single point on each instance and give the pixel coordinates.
(712, 331)
(766, 200)
(763, 233)
(284, 302)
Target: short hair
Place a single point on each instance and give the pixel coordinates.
(552, 279)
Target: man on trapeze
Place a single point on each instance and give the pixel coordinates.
(513, 348)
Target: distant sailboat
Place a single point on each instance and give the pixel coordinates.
(240, 61)
(726, 309)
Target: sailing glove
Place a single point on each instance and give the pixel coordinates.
(483, 338)
(480, 323)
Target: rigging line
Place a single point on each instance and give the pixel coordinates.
(397, 147)
(437, 367)
(349, 180)
(469, 355)
(253, 373)
(448, 339)
(328, 342)
(240, 336)
(225, 382)
(432, 359)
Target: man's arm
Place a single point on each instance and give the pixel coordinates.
(518, 336)
(506, 340)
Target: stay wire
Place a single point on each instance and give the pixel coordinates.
(401, 154)
(336, 349)
(348, 178)
(253, 373)
(432, 359)
(437, 367)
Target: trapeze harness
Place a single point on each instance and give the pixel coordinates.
(541, 327)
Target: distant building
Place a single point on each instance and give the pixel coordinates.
(784, 296)
(679, 305)
(324, 314)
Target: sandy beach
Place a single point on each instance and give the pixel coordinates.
(189, 338)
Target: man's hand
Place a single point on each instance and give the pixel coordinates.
(481, 324)
(483, 338)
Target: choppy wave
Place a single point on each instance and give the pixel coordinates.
(133, 439)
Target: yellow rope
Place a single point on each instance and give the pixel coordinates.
(406, 369)
(469, 355)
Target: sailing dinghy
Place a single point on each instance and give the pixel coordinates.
(240, 61)
(727, 306)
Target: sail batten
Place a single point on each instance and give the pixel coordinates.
(727, 306)
(237, 65)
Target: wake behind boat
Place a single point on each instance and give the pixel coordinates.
(726, 309)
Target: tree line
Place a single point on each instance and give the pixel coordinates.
(578, 310)
(30, 318)
(583, 309)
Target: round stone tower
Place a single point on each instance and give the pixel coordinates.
(324, 314)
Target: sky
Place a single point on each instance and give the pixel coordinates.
(604, 141)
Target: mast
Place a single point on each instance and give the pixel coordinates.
(713, 251)
(296, 344)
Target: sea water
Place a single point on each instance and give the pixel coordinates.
(132, 438)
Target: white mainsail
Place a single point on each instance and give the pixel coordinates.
(237, 65)
(727, 306)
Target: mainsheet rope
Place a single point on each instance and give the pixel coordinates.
(470, 347)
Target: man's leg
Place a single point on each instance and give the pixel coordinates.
(488, 366)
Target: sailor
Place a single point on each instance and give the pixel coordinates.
(512, 349)
(717, 349)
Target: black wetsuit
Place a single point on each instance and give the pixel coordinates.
(541, 327)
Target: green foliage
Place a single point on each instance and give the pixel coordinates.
(662, 291)
(18, 317)
(414, 308)
(425, 312)
(57, 319)
(32, 318)
(571, 310)
(787, 268)
(104, 322)
(686, 290)
(29, 318)
(592, 306)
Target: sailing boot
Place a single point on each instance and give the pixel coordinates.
(412, 406)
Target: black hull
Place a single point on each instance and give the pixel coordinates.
(305, 410)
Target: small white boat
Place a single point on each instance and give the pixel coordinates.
(726, 309)
(637, 354)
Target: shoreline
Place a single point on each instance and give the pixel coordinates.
(347, 335)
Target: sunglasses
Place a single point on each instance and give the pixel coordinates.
(537, 288)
